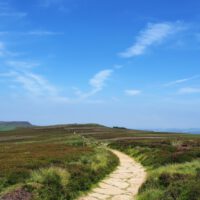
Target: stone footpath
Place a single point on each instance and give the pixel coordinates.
(122, 184)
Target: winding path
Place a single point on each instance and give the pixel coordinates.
(122, 184)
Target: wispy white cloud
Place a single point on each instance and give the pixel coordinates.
(97, 82)
(4, 52)
(179, 81)
(32, 83)
(21, 64)
(153, 34)
(42, 33)
(20, 75)
(133, 92)
(189, 90)
(35, 85)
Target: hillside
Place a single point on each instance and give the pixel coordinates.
(51, 163)
(6, 126)
(35, 156)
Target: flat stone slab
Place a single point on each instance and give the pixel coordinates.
(122, 184)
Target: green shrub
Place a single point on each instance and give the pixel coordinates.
(183, 190)
(151, 194)
(175, 182)
(165, 179)
(76, 140)
(173, 165)
(43, 176)
(89, 171)
(52, 183)
(12, 179)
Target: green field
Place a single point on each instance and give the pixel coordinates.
(62, 162)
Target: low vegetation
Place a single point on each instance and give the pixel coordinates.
(173, 164)
(61, 166)
(61, 162)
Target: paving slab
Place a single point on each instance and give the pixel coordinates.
(122, 184)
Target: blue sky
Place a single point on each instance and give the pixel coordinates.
(132, 63)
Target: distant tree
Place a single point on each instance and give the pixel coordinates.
(119, 127)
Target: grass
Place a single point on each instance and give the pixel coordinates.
(62, 162)
(173, 166)
(49, 183)
(51, 165)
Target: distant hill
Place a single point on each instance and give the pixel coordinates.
(177, 130)
(7, 126)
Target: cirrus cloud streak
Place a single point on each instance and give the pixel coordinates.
(152, 35)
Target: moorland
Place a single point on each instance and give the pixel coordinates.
(66, 161)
